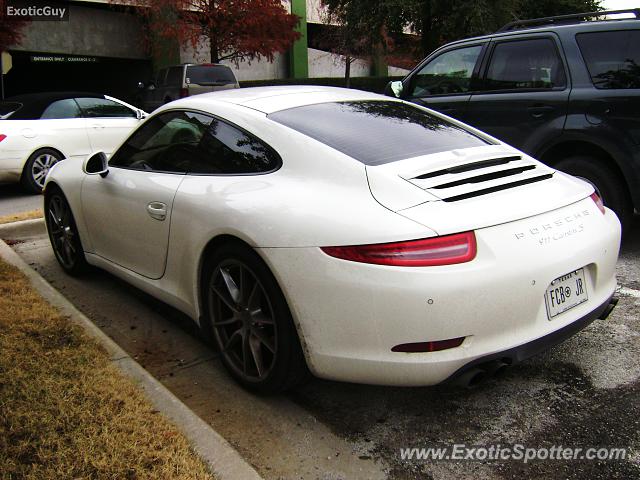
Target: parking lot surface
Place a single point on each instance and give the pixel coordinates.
(584, 393)
(13, 199)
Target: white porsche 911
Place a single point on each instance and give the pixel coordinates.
(38, 130)
(358, 237)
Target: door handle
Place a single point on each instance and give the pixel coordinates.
(157, 210)
(97, 126)
(538, 111)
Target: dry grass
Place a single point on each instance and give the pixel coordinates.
(66, 411)
(15, 217)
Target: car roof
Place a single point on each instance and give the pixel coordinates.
(559, 27)
(34, 104)
(272, 99)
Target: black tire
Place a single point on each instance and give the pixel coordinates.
(63, 233)
(36, 168)
(247, 317)
(607, 181)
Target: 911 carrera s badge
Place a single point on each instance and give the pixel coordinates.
(566, 292)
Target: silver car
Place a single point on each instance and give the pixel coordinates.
(185, 80)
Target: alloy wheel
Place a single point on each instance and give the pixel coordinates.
(243, 320)
(41, 166)
(62, 231)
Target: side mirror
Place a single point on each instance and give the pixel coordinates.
(140, 114)
(394, 89)
(96, 164)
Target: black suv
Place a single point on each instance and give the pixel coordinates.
(562, 89)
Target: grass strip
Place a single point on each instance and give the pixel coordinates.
(66, 411)
(15, 217)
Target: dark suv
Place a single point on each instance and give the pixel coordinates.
(563, 89)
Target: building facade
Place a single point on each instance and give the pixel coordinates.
(101, 48)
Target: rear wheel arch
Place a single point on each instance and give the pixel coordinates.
(206, 255)
(566, 149)
(215, 251)
(205, 262)
(591, 161)
(57, 150)
(25, 175)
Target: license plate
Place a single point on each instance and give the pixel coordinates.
(566, 292)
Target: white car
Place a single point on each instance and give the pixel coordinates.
(363, 238)
(38, 130)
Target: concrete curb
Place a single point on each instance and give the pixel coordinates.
(222, 459)
(22, 227)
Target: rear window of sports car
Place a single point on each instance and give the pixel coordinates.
(376, 132)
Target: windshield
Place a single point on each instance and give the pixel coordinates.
(7, 108)
(376, 132)
(210, 75)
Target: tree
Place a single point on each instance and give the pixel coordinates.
(351, 38)
(233, 29)
(550, 8)
(437, 22)
(10, 28)
(366, 21)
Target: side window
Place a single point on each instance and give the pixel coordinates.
(225, 149)
(448, 73)
(174, 77)
(525, 64)
(613, 58)
(165, 143)
(67, 108)
(188, 142)
(102, 107)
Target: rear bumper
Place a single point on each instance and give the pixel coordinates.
(517, 354)
(350, 315)
(10, 175)
(11, 167)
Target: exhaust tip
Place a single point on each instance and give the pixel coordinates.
(496, 368)
(477, 375)
(471, 378)
(608, 309)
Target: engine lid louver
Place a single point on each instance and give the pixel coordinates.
(472, 179)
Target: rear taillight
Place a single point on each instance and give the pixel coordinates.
(598, 201)
(2, 137)
(184, 92)
(446, 250)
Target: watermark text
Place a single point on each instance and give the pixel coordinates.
(516, 452)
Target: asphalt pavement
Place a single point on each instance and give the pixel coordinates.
(13, 199)
(582, 393)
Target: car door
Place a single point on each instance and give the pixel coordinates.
(129, 211)
(524, 93)
(612, 102)
(108, 122)
(444, 81)
(62, 127)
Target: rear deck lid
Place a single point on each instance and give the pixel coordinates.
(472, 188)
